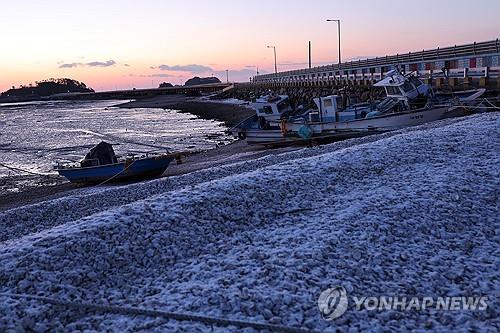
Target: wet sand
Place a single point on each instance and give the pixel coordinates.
(31, 189)
(40, 188)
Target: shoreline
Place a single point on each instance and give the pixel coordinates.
(229, 114)
(50, 188)
(34, 189)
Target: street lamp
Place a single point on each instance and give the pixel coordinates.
(340, 59)
(275, 61)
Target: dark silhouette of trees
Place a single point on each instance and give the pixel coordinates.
(48, 87)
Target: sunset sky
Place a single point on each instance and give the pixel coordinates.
(119, 44)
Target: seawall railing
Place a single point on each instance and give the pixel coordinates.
(471, 60)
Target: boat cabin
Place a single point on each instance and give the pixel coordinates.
(329, 110)
(403, 86)
(271, 107)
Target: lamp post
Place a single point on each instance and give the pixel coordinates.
(227, 75)
(340, 59)
(275, 61)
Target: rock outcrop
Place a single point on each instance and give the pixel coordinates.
(201, 80)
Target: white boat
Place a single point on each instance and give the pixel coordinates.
(263, 128)
(409, 102)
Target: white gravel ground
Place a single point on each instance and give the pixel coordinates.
(412, 212)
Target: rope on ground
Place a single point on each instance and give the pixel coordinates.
(478, 105)
(26, 171)
(481, 105)
(134, 311)
(124, 140)
(493, 106)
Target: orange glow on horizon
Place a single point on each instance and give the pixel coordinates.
(232, 35)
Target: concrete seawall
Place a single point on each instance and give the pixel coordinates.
(475, 62)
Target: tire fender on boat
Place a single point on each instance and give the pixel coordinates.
(262, 122)
(283, 126)
(242, 135)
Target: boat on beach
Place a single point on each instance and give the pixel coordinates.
(263, 128)
(408, 102)
(101, 165)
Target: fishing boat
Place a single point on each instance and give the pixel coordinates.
(263, 128)
(409, 102)
(102, 165)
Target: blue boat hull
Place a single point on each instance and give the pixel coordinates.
(139, 169)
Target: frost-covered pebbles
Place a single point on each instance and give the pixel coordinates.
(261, 242)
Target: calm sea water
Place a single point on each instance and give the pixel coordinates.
(34, 136)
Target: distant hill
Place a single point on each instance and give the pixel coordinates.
(201, 80)
(165, 85)
(46, 88)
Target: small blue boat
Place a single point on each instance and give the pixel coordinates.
(100, 165)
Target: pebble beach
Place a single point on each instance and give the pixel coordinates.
(412, 212)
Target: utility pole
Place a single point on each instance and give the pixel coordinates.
(310, 60)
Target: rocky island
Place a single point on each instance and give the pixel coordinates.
(44, 89)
